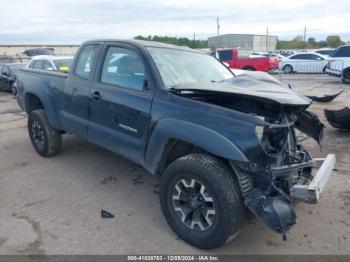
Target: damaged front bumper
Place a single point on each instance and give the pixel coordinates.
(311, 193)
(277, 210)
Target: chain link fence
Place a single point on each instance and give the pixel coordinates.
(311, 71)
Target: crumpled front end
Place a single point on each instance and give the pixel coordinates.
(269, 190)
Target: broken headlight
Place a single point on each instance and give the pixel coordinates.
(272, 140)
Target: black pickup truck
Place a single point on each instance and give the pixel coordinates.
(221, 144)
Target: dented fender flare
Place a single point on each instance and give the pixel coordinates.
(191, 133)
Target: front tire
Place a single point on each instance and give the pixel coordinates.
(201, 201)
(46, 140)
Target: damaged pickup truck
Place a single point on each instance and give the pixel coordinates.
(220, 143)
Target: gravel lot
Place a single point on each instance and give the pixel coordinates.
(53, 205)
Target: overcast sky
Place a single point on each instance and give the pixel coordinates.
(64, 21)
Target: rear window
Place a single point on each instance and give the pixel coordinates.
(225, 55)
(341, 52)
(85, 62)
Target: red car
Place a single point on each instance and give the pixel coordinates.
(240, 59)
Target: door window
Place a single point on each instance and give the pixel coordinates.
(85, 62)
(38, 64)
(300, 57)
(47, 65)
(315, 57)
(124, 68)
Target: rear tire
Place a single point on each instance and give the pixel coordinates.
(288, 69)
(216, 214)
(46, 140)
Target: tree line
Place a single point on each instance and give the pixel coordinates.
(297, 43)
(182, 41)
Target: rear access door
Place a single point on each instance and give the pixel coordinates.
(75, 113)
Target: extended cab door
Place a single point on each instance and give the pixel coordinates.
(120, 102)
(75, 113)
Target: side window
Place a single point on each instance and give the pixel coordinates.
(123, 67)
(31, 65)
(300, 57)
(38, 64)
(315, 57)
(85, 62)
(225, 55)
(46, 65)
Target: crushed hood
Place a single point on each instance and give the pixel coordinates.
(245, 85)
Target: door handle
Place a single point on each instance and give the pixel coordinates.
(96, 95)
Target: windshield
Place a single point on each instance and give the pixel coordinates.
(178, 67)
(63, 63)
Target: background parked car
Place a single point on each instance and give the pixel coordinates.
(8, 77)
(38, 51)
(324, 51)
(305, 62)
(51, 63)
(241, 59)
(339, 63)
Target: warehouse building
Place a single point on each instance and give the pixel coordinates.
(245, 41)
(14, 50)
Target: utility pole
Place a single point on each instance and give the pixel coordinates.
(304, 37)
(267, 39)
(218, 28)
(194, 40)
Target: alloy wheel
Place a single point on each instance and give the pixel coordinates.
(194, 204)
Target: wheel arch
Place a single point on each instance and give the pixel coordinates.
(166, 145)
(33, 101)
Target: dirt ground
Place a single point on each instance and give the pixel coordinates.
(53, 205)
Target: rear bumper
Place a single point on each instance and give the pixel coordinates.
(311, 193)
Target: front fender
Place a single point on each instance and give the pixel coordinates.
(200, 136)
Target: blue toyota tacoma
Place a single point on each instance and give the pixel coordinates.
(221, 144)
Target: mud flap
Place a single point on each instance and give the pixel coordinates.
(310, 124)
(276, 212)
